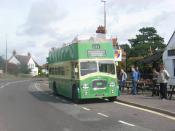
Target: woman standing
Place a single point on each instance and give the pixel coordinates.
(123, 77)
(134, 77)
(163, 77)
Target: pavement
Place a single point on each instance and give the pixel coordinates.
(150, 102)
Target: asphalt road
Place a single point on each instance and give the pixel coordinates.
(25, 106)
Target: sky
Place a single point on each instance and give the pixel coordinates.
(36, 26)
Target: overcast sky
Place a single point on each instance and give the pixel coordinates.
(37, 25)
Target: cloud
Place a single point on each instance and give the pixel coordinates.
(50, 23)
(42, 17)
(22, 46)
(51, 43)
(126, 17)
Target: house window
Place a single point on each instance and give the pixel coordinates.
(171, 52)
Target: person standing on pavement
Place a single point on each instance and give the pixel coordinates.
(123, 77)
(163, 77)
(134, 78)
(138, 77)
(138, 74)
(155, 82)
(155, 75)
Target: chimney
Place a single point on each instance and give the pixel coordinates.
(28, 54)
(53, 48)
(14, 52)
(101, 32)
(115, 42)
(101, 29)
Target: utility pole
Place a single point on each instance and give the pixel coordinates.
(104, 1)
(126, 58)
(6, 59)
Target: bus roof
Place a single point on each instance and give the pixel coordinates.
(83, 47)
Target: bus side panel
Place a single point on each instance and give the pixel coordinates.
(64, 87)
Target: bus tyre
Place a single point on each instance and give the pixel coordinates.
(75, 95)
(111, 99)
(55, 89)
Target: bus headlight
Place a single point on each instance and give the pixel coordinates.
(85, 86)
(112, 84)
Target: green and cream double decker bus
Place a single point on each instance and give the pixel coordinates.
(84, 69)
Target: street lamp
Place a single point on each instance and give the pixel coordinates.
(104, 1)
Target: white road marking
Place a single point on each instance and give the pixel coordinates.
(102, 114)
(2, 86)
(36, 86)
(87, 109)
(75, 105)
(126, 123)
(147, 110)
(5, 85)
(13, 82)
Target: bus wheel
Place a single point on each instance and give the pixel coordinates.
(111, 99)
(55, 89)
(75, 95)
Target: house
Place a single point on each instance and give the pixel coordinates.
(25, 60)
(44, 69)
(169, 59)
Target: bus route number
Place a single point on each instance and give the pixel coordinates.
(96, 46)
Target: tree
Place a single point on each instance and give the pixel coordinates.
(146, 42)
(24, 69)
(2, 62)
(125, 47)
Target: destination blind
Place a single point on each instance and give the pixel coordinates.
(96, 53)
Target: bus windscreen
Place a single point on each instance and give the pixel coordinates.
(88, 67)
(91, 67)
(107, 67)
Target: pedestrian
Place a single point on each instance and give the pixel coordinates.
(134, 78)
(155, 75)
(138, 77)
(163, 77)
(123, 77)
(138, 74)
(155, 90)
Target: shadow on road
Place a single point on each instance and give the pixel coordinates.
(47, 96)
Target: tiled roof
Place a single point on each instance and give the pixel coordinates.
(150, 59)
(23, 59)
(171, 37)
